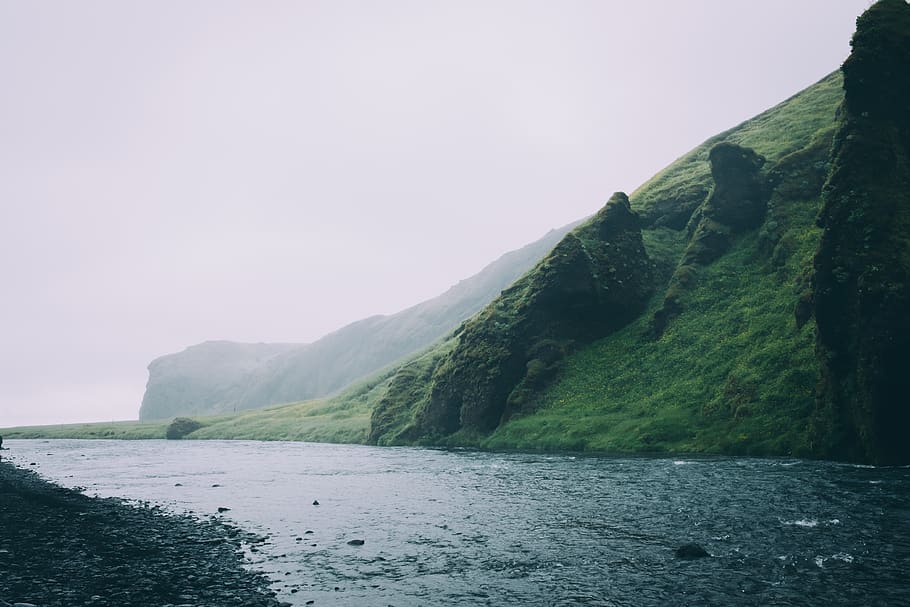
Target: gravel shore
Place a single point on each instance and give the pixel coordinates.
(61, 548)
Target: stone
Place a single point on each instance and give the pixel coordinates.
(691, 551)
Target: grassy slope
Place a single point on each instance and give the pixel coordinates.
(119, 430)
(729, 375)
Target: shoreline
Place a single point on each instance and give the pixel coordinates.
(59, 547)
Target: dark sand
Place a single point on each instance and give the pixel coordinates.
(59, 547)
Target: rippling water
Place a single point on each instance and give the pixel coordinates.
(468, 528)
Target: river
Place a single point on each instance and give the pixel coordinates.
(471, 528)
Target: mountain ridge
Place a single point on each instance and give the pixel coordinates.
(242, 376)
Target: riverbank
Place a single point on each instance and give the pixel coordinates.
(59, 547)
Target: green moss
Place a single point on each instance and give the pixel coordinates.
(181, 427)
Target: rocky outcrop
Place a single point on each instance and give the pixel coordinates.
(740, 191)
(689, 552)
(180, 427)
(595, 281)
(223, 377)
(736, 204)
(861, 284)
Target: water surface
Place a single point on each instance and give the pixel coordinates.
(469, 528)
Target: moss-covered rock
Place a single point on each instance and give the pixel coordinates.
(861, 285)
(736, 204)
(596, 280)
(740, 190)
(180, 427)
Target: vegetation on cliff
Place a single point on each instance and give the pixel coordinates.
(862, 269)
(727, 357)
(729, 370)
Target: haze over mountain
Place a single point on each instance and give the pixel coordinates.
(218, 377)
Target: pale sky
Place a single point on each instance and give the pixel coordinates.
(179, 171)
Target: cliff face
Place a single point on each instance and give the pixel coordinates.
(223, 377)
(861, 283)
(204, 378)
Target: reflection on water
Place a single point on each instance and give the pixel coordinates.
(467, 528)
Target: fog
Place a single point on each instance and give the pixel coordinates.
(174, 172)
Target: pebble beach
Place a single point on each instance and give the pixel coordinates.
(59, 547)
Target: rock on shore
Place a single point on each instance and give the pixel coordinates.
(61, 548)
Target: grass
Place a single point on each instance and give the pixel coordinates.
(126, 430)
(313, 421)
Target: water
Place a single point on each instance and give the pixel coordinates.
(467, 528)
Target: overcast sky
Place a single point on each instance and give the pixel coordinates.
(174, 172)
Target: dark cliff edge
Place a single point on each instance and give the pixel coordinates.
(861, 284)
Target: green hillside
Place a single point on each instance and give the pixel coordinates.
(732, 372)
(766, 313)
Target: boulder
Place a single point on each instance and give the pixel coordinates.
(690, 552)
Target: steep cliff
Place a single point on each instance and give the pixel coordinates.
(204, 378)
(861, 283)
